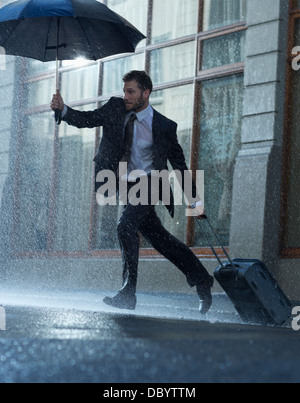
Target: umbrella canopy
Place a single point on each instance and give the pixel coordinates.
(65, 30)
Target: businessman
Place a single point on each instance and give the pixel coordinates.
(135, 133)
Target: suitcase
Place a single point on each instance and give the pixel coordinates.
(252, 289)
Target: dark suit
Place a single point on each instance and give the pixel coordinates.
(141, 218)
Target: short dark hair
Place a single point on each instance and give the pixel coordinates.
(141, 77)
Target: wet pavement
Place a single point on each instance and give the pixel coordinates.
(74, 337)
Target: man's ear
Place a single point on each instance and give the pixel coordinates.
(147, 94)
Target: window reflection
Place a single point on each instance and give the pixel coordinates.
(223, 50)
(38, 92)
(220, 137)
(106, 232)
(174, 19)
(74, 187)
(36, 67)
(219, 13)
(80, 84)
(34, 178)
(173, 63)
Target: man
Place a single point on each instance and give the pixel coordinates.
(135, 133)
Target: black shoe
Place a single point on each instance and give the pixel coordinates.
(122, 301)
(204, 293)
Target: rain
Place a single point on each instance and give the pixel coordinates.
(59, 250)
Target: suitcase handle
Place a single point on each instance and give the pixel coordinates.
(204, 217)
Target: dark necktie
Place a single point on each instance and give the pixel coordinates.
(128, 138)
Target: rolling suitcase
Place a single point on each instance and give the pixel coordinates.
(250, 286)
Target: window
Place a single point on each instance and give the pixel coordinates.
(220, 137)
(291, 183)
(173, 63)
(196, 59)
(219, 95)
(73, 188)
(173, 19)
(220, 13)
(223, 50)
(34, 178)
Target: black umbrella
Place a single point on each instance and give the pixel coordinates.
(49, 30)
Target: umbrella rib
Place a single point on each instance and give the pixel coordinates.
(47, 38)
(88, 41)
(127, 40)
(18, 23)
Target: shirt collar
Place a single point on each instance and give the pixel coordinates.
(143, 114)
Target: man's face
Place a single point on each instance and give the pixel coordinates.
(135, 99)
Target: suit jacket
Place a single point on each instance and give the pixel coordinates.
(111, 150)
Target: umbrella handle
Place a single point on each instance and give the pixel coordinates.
(58, 116)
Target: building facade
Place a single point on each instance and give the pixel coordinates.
(225, 71)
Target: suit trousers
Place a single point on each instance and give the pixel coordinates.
(144, 220)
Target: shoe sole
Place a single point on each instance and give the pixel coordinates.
(109, 301)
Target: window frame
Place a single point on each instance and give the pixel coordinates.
(288, 252)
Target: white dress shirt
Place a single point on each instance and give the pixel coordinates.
(142, 143)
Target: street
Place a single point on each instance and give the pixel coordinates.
(65, 337)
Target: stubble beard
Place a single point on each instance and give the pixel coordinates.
(139, 105)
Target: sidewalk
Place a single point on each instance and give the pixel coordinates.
(72, 336)
(173, 306)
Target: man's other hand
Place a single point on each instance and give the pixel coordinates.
(57, 102)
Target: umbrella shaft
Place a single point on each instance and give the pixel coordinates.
(56, 75)
(57, 47)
